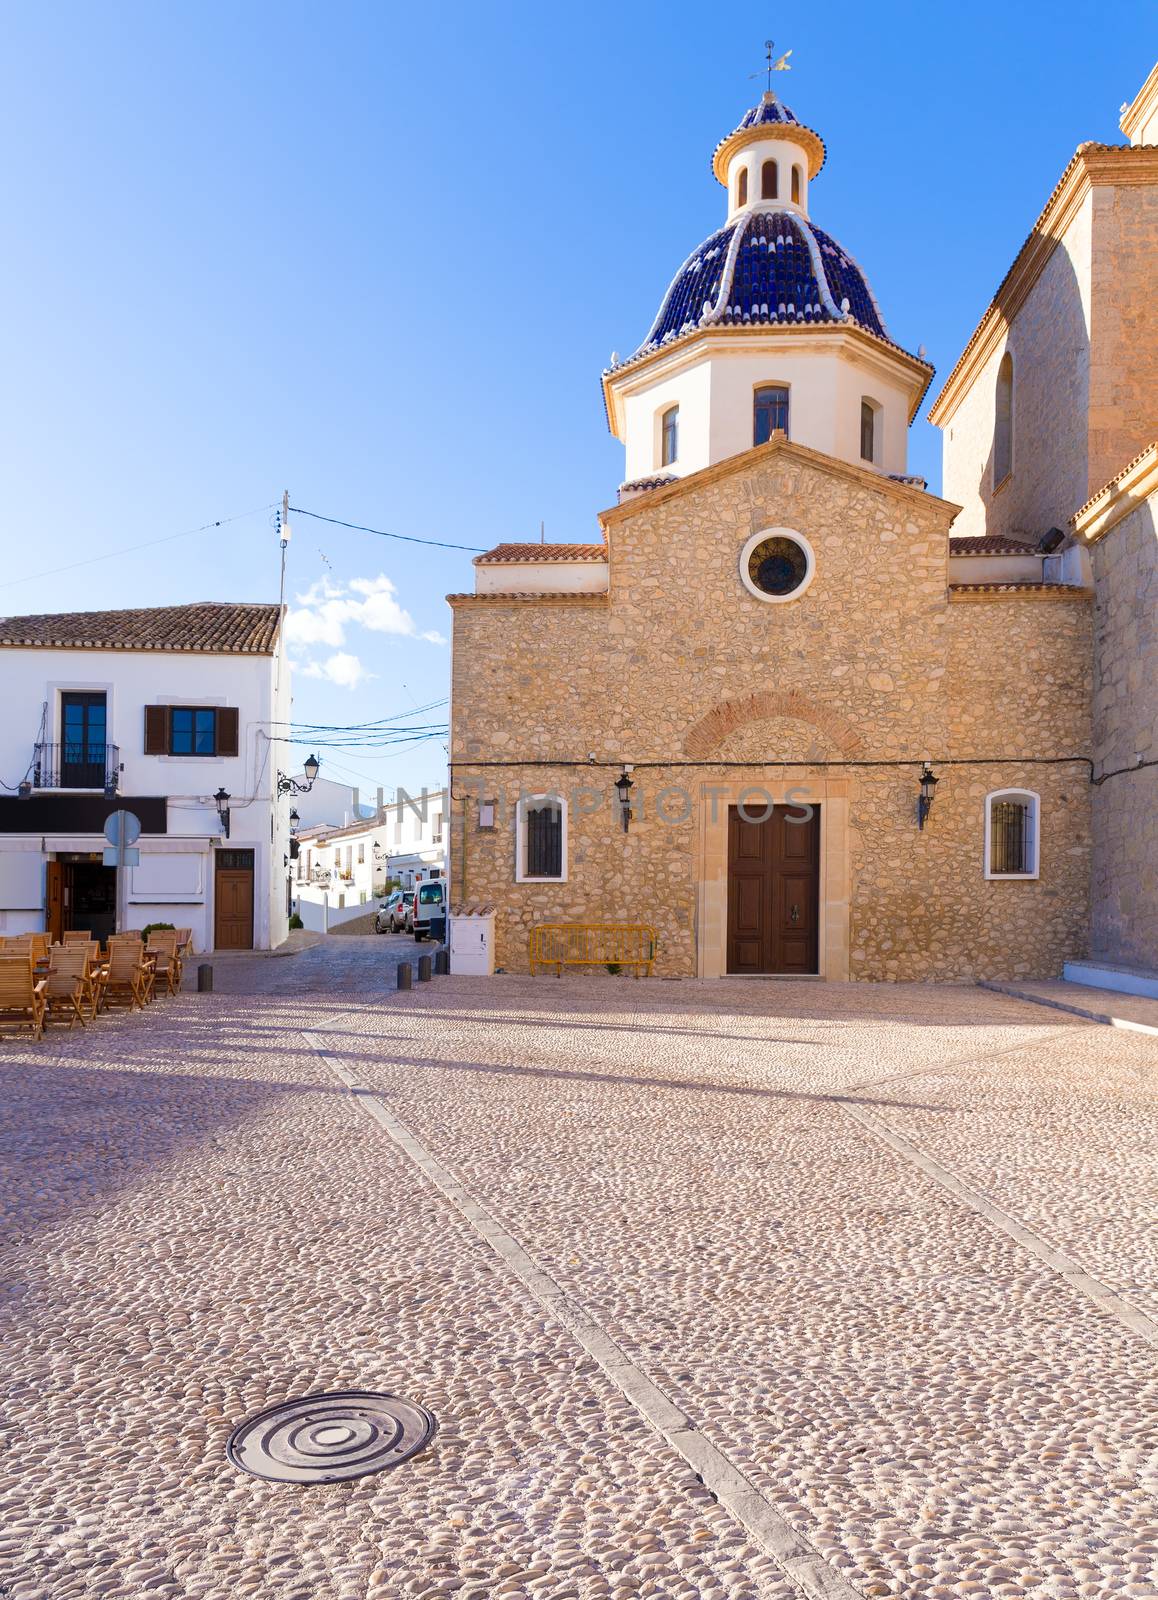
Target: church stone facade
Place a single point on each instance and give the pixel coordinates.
(719, 718)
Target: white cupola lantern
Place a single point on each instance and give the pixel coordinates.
(769, 325)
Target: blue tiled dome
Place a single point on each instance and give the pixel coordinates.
(767, 267)
(769, 110)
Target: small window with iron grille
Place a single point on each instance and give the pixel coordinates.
(1012, 833)
(541, 839)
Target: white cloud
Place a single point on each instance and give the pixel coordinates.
(341, 668)
(327, 609)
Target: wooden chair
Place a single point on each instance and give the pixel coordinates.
(22, 995)
(167, 963)
(77, 936)
(69, 990)
(125, 980)
(41, 945)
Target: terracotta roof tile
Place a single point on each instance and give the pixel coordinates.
(542, 552)
(1052, 591)
(989, 544)
(211, 626)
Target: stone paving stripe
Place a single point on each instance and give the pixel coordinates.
(1084, 1282)
(800, 1562)
(1091, 1013)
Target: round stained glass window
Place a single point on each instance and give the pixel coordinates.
(776, 564)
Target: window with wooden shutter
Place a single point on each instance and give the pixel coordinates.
(227, 731)
(156, 730)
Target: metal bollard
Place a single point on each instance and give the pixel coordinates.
(424, 969)
(205, 978)
(441, 963)
(404, 974)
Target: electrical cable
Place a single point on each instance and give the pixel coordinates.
(222, 522)
(405, 538)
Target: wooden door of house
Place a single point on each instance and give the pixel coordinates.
(233, 900)
(774, 892)
(54, 900)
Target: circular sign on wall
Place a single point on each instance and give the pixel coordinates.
(777, 564)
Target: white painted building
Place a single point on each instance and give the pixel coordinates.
(344, 871)
(157, 712)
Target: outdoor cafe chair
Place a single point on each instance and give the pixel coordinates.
(22, 994)
(125, 979)
(68, 987)
(166, 962)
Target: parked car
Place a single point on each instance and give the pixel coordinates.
(396, 913)
(431, 902)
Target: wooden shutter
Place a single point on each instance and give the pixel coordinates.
(156, 730)
(227, 730)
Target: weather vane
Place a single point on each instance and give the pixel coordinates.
(771, 66)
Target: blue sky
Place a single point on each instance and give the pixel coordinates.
(379, 256)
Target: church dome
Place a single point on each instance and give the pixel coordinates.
(765, 267)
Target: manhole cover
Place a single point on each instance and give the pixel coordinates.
(325, 1438)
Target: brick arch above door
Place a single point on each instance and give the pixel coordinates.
(707, 737)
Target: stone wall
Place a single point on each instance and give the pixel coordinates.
(1125, 726)
(1049, 340)
(1123, 376)
(702, 687)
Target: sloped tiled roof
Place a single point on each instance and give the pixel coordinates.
(542, 552)
(210, 626)
(989, 544)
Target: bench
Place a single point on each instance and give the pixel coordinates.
(592, 944)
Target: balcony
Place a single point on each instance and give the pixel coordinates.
(74, 766)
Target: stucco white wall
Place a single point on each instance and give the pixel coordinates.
(786, 154)
(715, 393)
(541, 577)
(174, 881)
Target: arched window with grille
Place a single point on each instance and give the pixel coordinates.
(1003, 422)
(769, 181)
(669, 436)
(1012, 833)
(541, 839)
(769, 412)
(797, 185)
(742, 187)
(869, 430)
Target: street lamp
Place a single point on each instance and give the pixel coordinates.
(222, 797)
(292, 786)
(294, 819)
(624, 786)
(927, 795)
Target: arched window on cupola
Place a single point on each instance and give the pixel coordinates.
(769, 413)
(796, 185)
(669, 436)
(742, 187)
(870, 440)
(769, 181)
(1003, 422)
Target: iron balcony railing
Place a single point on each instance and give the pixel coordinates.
(76, 766)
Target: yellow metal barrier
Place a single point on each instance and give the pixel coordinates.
(592, 944)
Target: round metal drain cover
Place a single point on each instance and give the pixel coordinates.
(325, 1438)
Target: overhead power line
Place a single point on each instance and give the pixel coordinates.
(405, 538)
(127, 550)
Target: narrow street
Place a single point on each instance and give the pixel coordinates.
(744, 1290)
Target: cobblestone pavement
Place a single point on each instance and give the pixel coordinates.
(882, 1253)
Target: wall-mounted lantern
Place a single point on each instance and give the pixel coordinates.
(624, 786)
(927, 795)
(294, 819)
(222, 798)
(292, 786)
